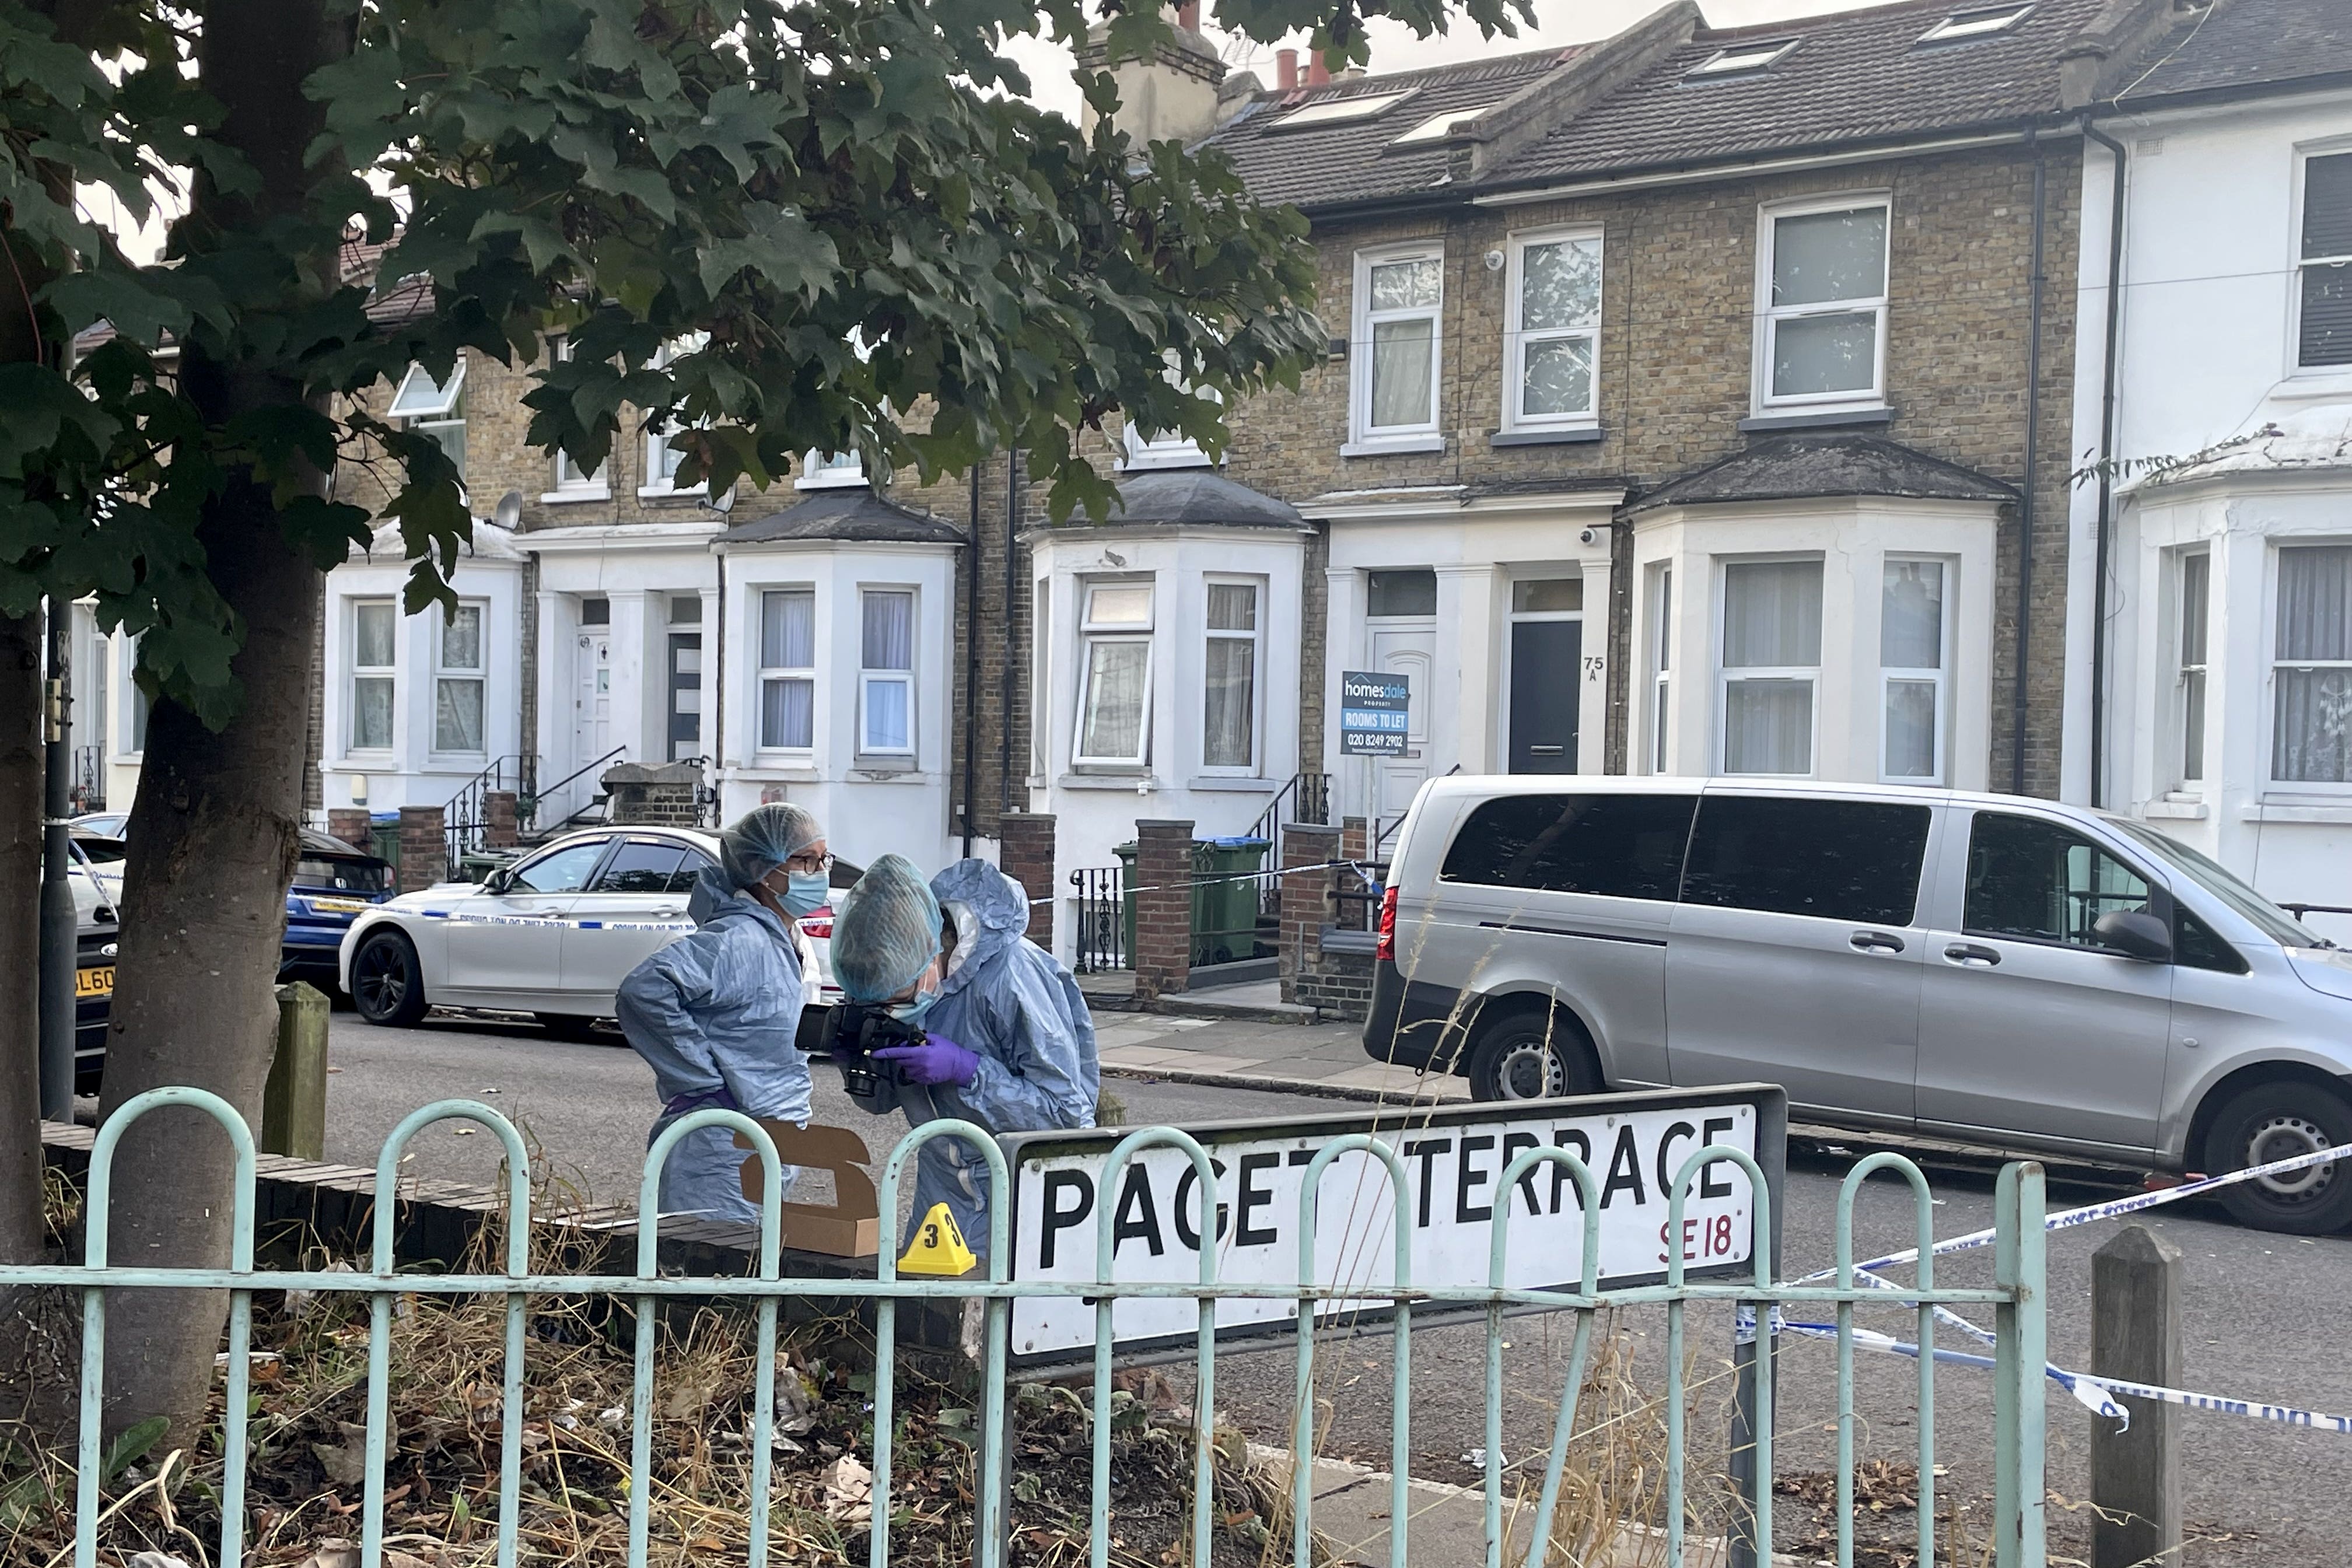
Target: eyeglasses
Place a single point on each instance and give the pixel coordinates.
(805, 863)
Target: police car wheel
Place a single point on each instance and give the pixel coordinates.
(387, 983)
(2279, 1120)
(568, 1026)
(1530, 1056)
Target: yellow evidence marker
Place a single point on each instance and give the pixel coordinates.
(937, 1247)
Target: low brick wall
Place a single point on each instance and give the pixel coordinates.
(1339, 979)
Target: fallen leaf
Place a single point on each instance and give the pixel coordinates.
(848, 1491)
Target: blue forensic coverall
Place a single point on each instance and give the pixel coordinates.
(714, 1015)
(1011, 1003)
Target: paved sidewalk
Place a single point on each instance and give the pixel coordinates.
(1254, 1052)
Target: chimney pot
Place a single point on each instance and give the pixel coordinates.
(1318, 70)
(1286, 68)
(1188, 16)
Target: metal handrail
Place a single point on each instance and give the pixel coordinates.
(1310, 798)
(559, 784)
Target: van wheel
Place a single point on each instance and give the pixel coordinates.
(387, 982)
(1531, 1055)
(2277, 1121)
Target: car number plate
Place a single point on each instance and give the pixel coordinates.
(94, 982)
(339, 906)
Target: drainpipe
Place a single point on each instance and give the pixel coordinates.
(2105, 525)
(1004, 708)
(971, 664)
(2032, 440)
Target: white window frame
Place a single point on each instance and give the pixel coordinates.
(1976, 22)
(133, 705)
(479, 675)
(1662, 662)
(570, 484)
(1363, 437)
(1517, 337)
(1770, 316)
(442, 412)
(1939, 677)
(781, 673)
(1809, 673)
(869, 678)
(2273, 664)
(830, 471)
(1089, 634)
(657, 443)
(2185, 672)
(1256, 637)
(2297, 263)
(1040, 682)
(387, 673)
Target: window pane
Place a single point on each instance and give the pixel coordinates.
(888, 706)
(686, 609)
(1401, 356)
(641, 869)
(1911, 729)
(139, 705)
(1233, 607)
(787, 714)
(690, 868)
(1112, 725)
(889, 632)
(2193, 726)
(1658, 719)
(2315, 613)
(1848, 860)
(370, 716)
(374, 644)
(1231, 703)
(1768, 727)
(563, 871)
(2326, 336)
(422, 397)
(1772, 614)
(1401, 594)
(1406, 285)
(595, 611)
(451, 434)
(1560, 285)
(1558, 378)
(1911, 618)
(1536, 596)
(788, 630)
(1665, 619)
(2196, 575)
(2035, 879)
(2311, 735)
(1821, 257)
(1120, 604)
(456, 715)
(461, 639)
(1825, 354)
(2327, 206)
(1615, 845)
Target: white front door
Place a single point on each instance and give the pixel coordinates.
(1408, 648)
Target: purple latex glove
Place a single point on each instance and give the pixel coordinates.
(936, 1061)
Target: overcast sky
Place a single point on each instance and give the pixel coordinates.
(1395, 48)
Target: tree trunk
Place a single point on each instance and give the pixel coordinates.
(213, 829)
(21, 785)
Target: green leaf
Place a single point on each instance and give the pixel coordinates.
(131, 1445)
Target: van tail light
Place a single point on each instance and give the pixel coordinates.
(818, 923)
(1386, 952)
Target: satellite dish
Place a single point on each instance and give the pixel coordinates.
(510, 510)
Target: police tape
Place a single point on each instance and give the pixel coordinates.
(463, 917)
(1361, 868)
(2091, 1390)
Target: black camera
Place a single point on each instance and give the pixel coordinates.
(852, 1033)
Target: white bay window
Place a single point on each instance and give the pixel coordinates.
(1399, 324)
(2311, 734)
(1229, 738)
(1911, 671)
(1822, 316)
(1115, 693)
(2196, 595)
(1772, 642)
(1552, 330)
(886, 673)
(460, 666)
(788, 669)
(375, 627)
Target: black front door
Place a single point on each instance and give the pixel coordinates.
(1545, 680)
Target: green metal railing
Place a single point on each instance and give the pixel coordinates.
(2016, 1299)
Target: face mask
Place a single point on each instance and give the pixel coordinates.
(806, 892)
(912, 1012)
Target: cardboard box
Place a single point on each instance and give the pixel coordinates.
(851, 1226)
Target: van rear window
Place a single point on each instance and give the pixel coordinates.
(1612, 845)
(1841, 860)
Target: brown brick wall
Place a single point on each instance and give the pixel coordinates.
(1163, 907)
(1028, 859)
(424, 848)
(1305, 901)
(349, 824)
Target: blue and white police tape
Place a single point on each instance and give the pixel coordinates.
(2093, 1391)
(2113, 1208)
(461, 916)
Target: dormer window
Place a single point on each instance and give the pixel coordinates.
(1438, 127)
(830, 470)
(434, 409)
(1740, 58)
(1975, 24)
(1337, 111)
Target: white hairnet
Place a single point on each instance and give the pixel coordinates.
(886, 931)
(765, 837)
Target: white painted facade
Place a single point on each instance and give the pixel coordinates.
(1457, 660)
(2210, 368)
(1176, 768)
(404, 723)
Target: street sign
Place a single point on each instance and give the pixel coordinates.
(1375, 713)
(1632, 1143)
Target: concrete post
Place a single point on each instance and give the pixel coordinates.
(1305, 901)
(1026, 855)
(499, 830)
(424, 848)
(1163, 908)
(294, 1101)
(349, 824)
(2136, 1335)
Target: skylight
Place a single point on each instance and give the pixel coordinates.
(1334, 110)
(1437, 127)
(1975, 24)
(1742, 58)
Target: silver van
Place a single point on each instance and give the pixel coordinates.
(1989, 968)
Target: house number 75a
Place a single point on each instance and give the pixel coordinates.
(1592, 663)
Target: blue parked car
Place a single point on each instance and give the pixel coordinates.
(334, 881)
